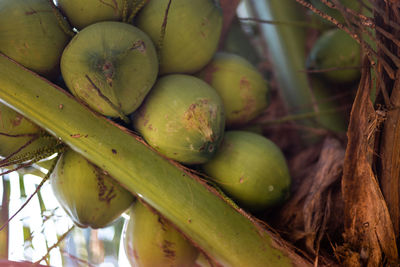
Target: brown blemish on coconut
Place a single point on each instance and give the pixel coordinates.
(78, 135)
(167, 248)
(250, 103)
(204, 24)
(199, 117)
(203, 147)
(205, 21)
(135, 254)
(33, 12)
(211, 148)
(245, 93)
(17, 121)
(138, 45)
(242, 179)
(162, 223)
(105, 193)
(28, 13)
(108, 71)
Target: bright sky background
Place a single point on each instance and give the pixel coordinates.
(30, 216)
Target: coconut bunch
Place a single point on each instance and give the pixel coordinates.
(152, 66)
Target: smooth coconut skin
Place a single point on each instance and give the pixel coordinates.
(16, 131)
(182, 118)
(30, 34)
(191, 36)
(335, 49)
(150, 241)
(87, 194)
(111, 66)
(82, 13)
(251, 169)
(241, 86)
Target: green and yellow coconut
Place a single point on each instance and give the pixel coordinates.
(30, 34)
(192, 30)
(337, 56)
(90, 196)
(19, 137)
(82, 13)
(150, 240)
(241, 86)
(251, 170)
(182, 118)
(111, 66)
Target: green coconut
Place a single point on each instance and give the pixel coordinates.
(150, 240)
(337, 55)
(191, 36)
(182, 118)
(88, 195)
(19, 136)
(111, 66)
(241, 86)
(30, 34)
(82, 13)
(251, 170)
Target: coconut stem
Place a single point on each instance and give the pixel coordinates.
(12, 159)
(163, 29)
(32, 157)
(62, 22)
(125, 11)
(136, 9)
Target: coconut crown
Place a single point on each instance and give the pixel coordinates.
(111, 66)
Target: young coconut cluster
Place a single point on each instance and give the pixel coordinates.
(154, 65)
